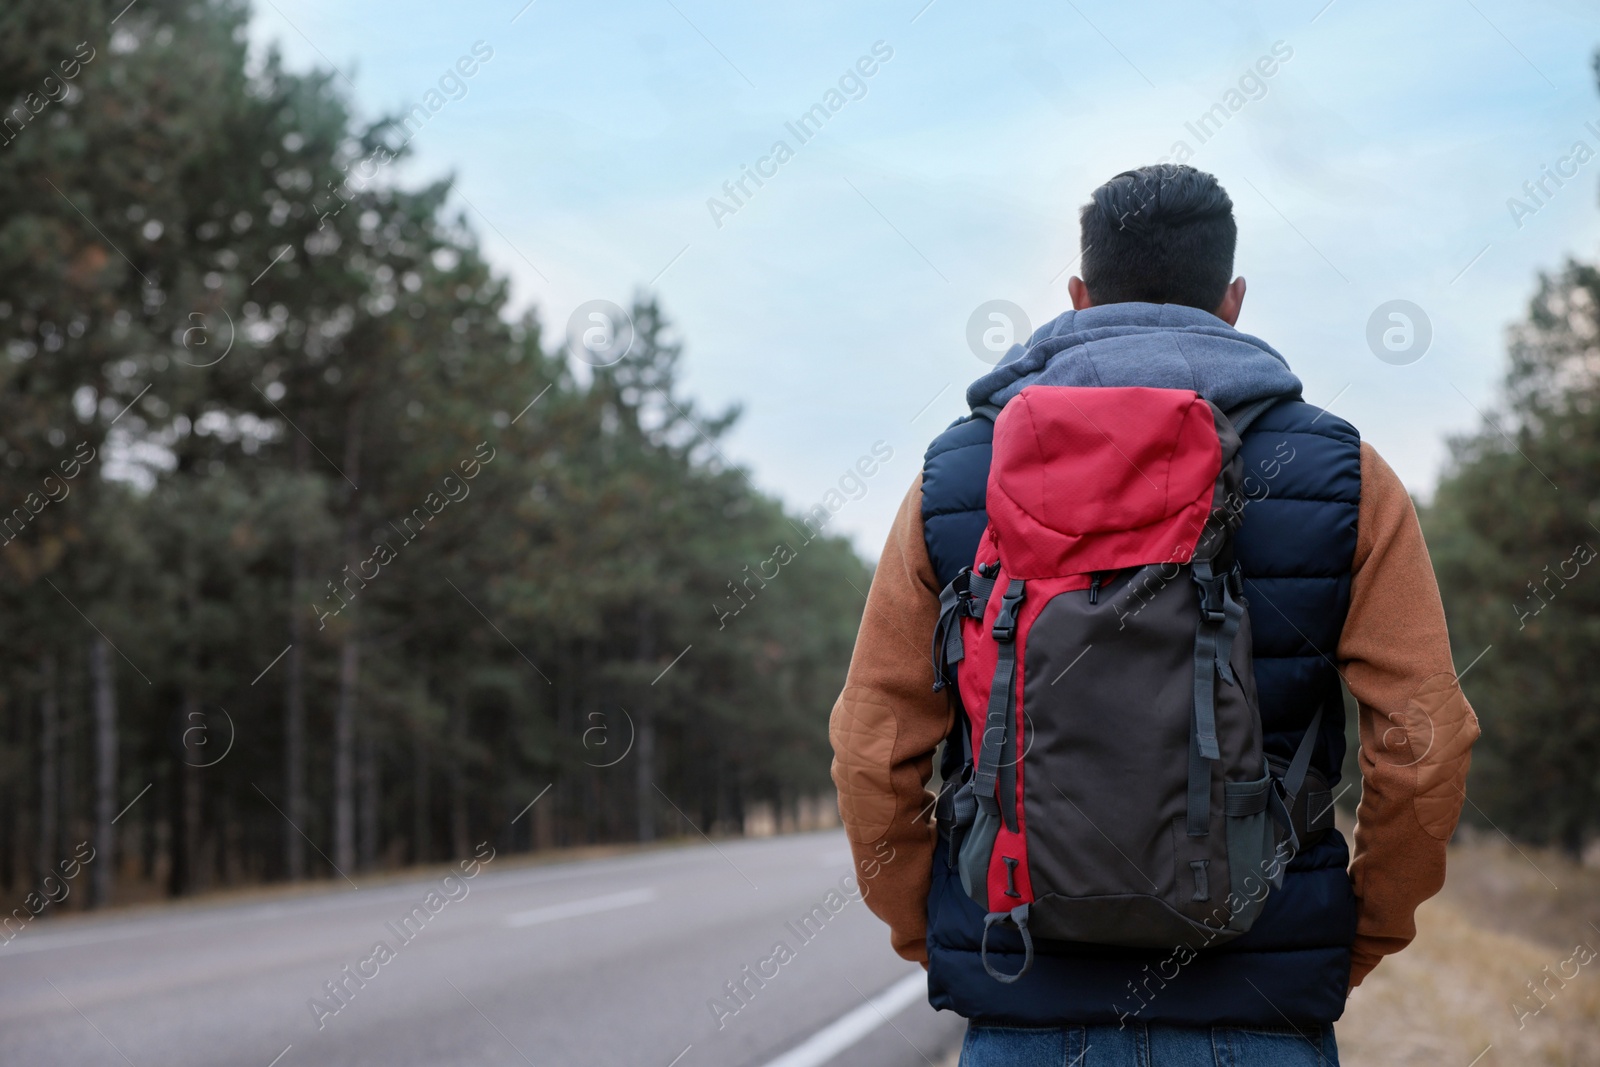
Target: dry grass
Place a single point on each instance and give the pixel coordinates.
(1453, 996)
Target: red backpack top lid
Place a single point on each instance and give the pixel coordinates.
(1090, 479)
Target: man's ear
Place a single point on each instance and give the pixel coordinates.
(1232, 301)
(1079, 293)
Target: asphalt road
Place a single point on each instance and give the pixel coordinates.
(618, 961)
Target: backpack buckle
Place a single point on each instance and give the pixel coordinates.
(1235, 579)
(1212, 598)
(1005, 624)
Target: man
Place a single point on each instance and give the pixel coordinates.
(1340, 589)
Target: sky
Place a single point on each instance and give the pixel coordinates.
(1384, 158)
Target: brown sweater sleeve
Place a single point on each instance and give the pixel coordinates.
(885, 727)
(1416, 728)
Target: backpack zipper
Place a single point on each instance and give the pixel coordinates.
(1094, 587)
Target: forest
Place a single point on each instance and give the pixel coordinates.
(1512, 528)
(317, 558)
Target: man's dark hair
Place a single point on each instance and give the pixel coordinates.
(1162, 234)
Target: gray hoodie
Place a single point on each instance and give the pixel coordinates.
(1167, 346)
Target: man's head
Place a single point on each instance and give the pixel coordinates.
(1162, 235)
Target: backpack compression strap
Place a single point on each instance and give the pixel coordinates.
(966, 596)
(1221, 615)
(1283, 799)
(994, 774)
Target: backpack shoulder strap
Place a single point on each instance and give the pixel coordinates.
(1242, 416)
(986, 411)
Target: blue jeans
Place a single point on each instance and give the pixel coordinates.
(1140, 1045)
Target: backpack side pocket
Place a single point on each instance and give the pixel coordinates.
(974, 852)
(1252, 846)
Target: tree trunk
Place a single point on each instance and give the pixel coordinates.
(294, 700)
(644, 772)
(458, 784)
(344, 728)
(105, 771)
(9, 814)
(591, 810)
(49, 752)
(69, 707)
(231, 863)
(421, 847)
(544, 823)
(187, 873)
(562, 795)
(645, 737)
(177, 849)
(149, 827)
(344, 813)
(294, 714)
(370, 794)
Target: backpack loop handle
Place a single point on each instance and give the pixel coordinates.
(1019, 917)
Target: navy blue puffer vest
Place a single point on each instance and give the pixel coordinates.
(1296, 550)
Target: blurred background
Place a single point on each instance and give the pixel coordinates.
(444, 448)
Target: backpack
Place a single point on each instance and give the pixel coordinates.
(1113, 788)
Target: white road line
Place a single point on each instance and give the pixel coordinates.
(46, 942)
(573, 908)
(854, 1025)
